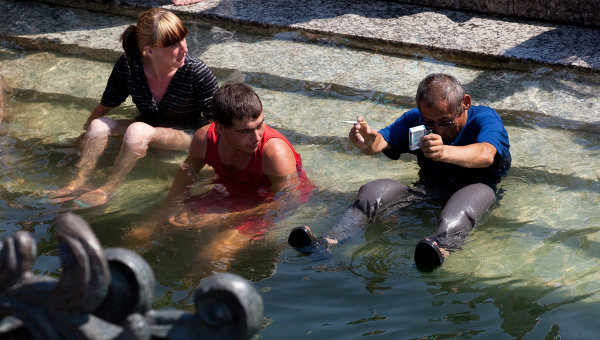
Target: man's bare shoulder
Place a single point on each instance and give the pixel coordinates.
(201, 132)
(278, 158)
(198, 147)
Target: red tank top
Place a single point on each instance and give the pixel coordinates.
(252, 175)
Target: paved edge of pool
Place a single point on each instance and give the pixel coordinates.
(395, 28)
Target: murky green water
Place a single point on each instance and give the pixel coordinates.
(530, 270)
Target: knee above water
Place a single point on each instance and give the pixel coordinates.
(99, 127)
(138, 134)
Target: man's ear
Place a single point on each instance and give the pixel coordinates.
(467, 102)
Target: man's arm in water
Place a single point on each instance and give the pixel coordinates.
(184, 179)
(186, 174)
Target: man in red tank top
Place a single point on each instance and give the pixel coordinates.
(252, 162)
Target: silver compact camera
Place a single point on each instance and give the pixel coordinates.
(415, 136)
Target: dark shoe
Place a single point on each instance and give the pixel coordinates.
(428, 255)
(303, 240)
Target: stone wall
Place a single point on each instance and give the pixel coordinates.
(578, 12)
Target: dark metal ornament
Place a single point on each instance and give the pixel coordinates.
(108, 294)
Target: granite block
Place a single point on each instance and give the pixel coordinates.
(396, 28)
(577, 12)
(581, 12)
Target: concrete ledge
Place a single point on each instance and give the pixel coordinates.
(577, 12)
(395, 28)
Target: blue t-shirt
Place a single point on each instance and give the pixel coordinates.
(483, 125)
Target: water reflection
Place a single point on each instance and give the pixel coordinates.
(463, 299)
(518, 301)
(482, 275)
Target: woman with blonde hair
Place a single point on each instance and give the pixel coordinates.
(170, 89)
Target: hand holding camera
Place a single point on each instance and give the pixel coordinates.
(429, 142)
(415, 136)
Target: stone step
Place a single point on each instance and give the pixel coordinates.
(577, 12)
(392, 27)
(284, 61)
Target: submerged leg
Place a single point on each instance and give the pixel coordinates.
(93, 145)
(135, 145)
(373, 197)
(459, 216)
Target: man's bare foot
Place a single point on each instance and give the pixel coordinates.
(184, 2)
(92, 198)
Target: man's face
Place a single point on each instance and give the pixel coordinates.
(245, 135)
(443, 120)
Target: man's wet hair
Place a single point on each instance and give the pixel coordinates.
(235, 101)
(441, 86)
